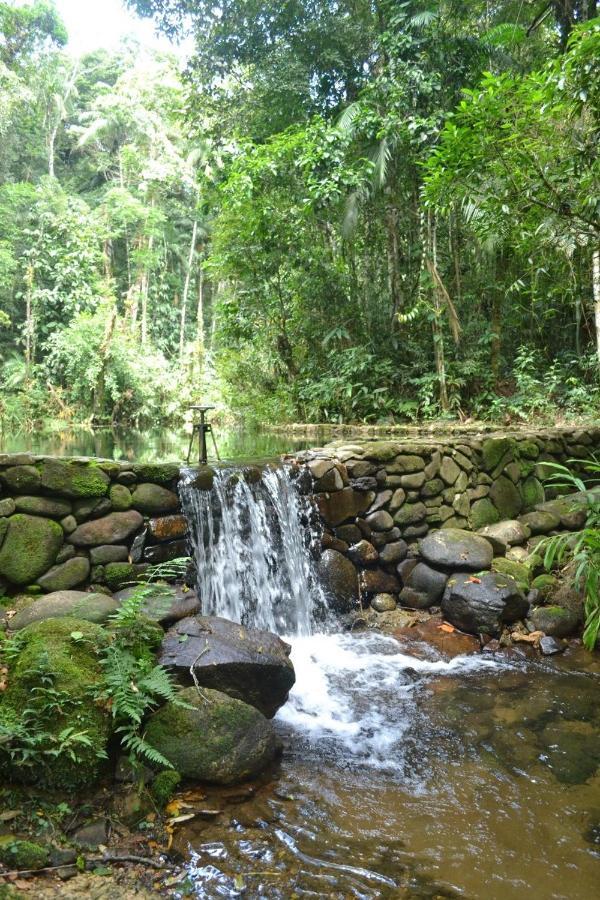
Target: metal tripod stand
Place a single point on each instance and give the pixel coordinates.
(201, 428)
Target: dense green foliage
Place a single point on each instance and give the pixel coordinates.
(366, 211)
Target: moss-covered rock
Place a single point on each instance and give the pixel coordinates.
(545, 584)
(217, 739)
(22, 479)
(66, 575)
(556, 621)
(74, 478)
(519, 571)
(29, 548)
(483, 512)
(158, 473)
(120, 574)
(61, 656)
(50, 507)
(496, 450)
(532, 492)
(22, 855)
(111, 529)
(154, 499)
(120, 497)
(506, 497)
(164, 786)
(528, 449)
(62, 604)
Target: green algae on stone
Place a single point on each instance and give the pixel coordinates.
(519, 571)
(120, 497)
(494, 450)
(62, 655)
(483, 512)
(219, 739)
(556, 621)
(120, 574)
(164, 786)
(29, 548)
(158, 473)
(74, 478)
(506, 497)
(546, 584)
(22, 855)
(50, 507)
(532, 492)
(22, 479)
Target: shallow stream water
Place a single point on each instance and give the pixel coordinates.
(408, 775)
(405, 772)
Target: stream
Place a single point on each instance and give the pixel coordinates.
(405, 773)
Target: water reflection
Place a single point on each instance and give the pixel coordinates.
(149, 446)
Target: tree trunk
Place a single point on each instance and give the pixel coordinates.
(438, 333)
(100, 389)
(29, 322)
(144, 295)
(186, 291)
(596, 293)
(200, 339)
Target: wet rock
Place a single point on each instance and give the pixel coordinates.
(330, 481)
(153, 499)
(342, 505)
(506, 497)
(329, 542)
(550, 646)
(455, 549)
(555, 621)
(203, 479)
(91, 508)
(339, 580)
(163, 603)
(428, 582)
(449, 644)
(66, 575)
(251, 665)
(363, 553)
(383, 603)
(82, 605)
(393, 553)
(220, 739)
(165, 552)
(449, 471)
(350, 534)
(570, 750)
(410, 514)
(111, 529)
(375, 581)
(518, 571)
(320, 467)
(484, 604)
(365, 484)
(413, 599)
(30, 547)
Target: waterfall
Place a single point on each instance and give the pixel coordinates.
(252, 546)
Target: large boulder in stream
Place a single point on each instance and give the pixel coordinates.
(210, 736)
(482, 605)
(339, 580)
(250, 665)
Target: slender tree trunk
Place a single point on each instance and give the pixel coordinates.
(438, 333)
(100, 390)
(144, 295)
(60, 115)
(200, 338)
(186, 291)
(596, 293)
(29, 322)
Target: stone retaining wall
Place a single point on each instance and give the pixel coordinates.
(66, 523)
(376, 497)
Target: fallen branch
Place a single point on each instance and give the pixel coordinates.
(107, 858)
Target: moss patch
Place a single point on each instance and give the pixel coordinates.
(483, 512)
(15, 854)
(532, 492)
(29, 548)
(496, 449)
(73, 478)
(158, 473)
(51, 687)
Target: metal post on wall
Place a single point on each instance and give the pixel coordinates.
(201, 428)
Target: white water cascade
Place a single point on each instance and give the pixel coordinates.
(253, 554)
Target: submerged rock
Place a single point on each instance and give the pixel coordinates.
(214, 738)
(483, 605)
(248, 664)
(456, 550)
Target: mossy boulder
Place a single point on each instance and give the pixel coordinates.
(213, 738)
(453, 549)
(545, 584)
(528, 449)
(164, 786)
(29, 548)
(506, 497)
(119, 574)
(62, 604)
(540, 522)
(120, 497)
(532, 492)
(483, 512)
(158, 473)
(154, 499)
(111, 529)
(49, 507)
(22, 479)
(66, 575)
(22, 855)
(556, 621)
(496, 450)
(519, 571)
(60, 655)
(74, 478)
